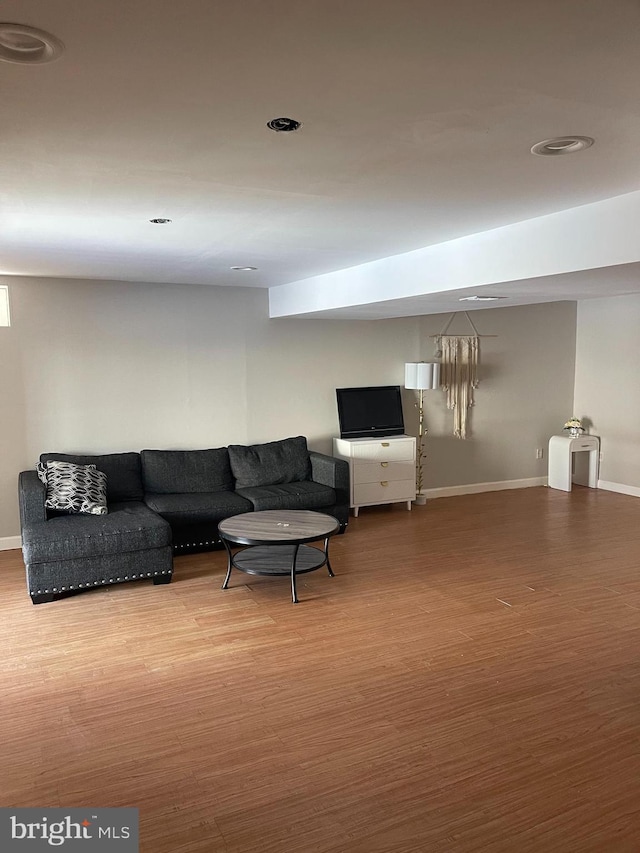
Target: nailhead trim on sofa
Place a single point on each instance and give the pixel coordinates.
(196, 544)
(96, 583)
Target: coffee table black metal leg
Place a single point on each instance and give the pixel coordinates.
(294, 594)
(229, 564)
(326, 553)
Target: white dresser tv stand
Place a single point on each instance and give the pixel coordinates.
(382, 470)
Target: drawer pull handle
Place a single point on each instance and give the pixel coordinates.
(384, 464)
(385, 444)
(384, 482)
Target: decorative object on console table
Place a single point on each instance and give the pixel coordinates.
(574, 425)
(421, 376)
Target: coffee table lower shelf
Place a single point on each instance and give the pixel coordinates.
(280, 560)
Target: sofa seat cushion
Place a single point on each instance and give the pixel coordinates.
(123, 470)
(174, 472)
(129, 526)
(191, 509)
(285, 461)
(302, 495)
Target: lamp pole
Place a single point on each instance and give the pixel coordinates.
(420, 447)
(421, 377)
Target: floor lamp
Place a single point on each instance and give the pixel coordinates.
(421, 376)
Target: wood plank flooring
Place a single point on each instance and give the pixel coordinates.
(469, 681)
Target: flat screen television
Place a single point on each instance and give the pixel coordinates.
(366, 412)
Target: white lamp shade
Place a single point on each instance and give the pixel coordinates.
(422, 376)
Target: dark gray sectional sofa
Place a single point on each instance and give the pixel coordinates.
(166, 502)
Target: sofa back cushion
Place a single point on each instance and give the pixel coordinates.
(285, 461)
(170, 472)
(124, 474)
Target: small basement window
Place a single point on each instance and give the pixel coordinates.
(4, 305)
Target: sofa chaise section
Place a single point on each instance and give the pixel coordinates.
(68, 552)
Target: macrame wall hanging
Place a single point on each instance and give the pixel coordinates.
(459, 355)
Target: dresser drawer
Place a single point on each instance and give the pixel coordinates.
(394, 450)
(374, 472)
(378, 493)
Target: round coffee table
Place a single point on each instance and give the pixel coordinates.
(273, 542)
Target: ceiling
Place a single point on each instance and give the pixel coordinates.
(418, 118)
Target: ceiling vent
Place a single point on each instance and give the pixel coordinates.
(562, 145)
(284, 125)
(27, 45)
(481, 298)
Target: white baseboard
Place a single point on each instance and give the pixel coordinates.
(476, 488)
(634, 491)
(8, 543)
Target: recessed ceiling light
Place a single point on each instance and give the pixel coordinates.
(480, 298)
(562, 145)
(243, 269)
(27, 45)
(284, 125)
(160, 221)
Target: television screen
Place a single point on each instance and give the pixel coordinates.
(365, 412)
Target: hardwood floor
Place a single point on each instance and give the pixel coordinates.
(469, 681)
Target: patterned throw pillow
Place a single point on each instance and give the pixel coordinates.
(74, 488)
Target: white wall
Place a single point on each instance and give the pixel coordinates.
(294, 367)
(607, 390)
(102, 366)
(110, 366)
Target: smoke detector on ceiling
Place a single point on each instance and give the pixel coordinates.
(284, 125)
(562, 145)
(27, 45)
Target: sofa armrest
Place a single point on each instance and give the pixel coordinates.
(31, 496)
(330, 471)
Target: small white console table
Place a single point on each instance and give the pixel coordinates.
(561, 460)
